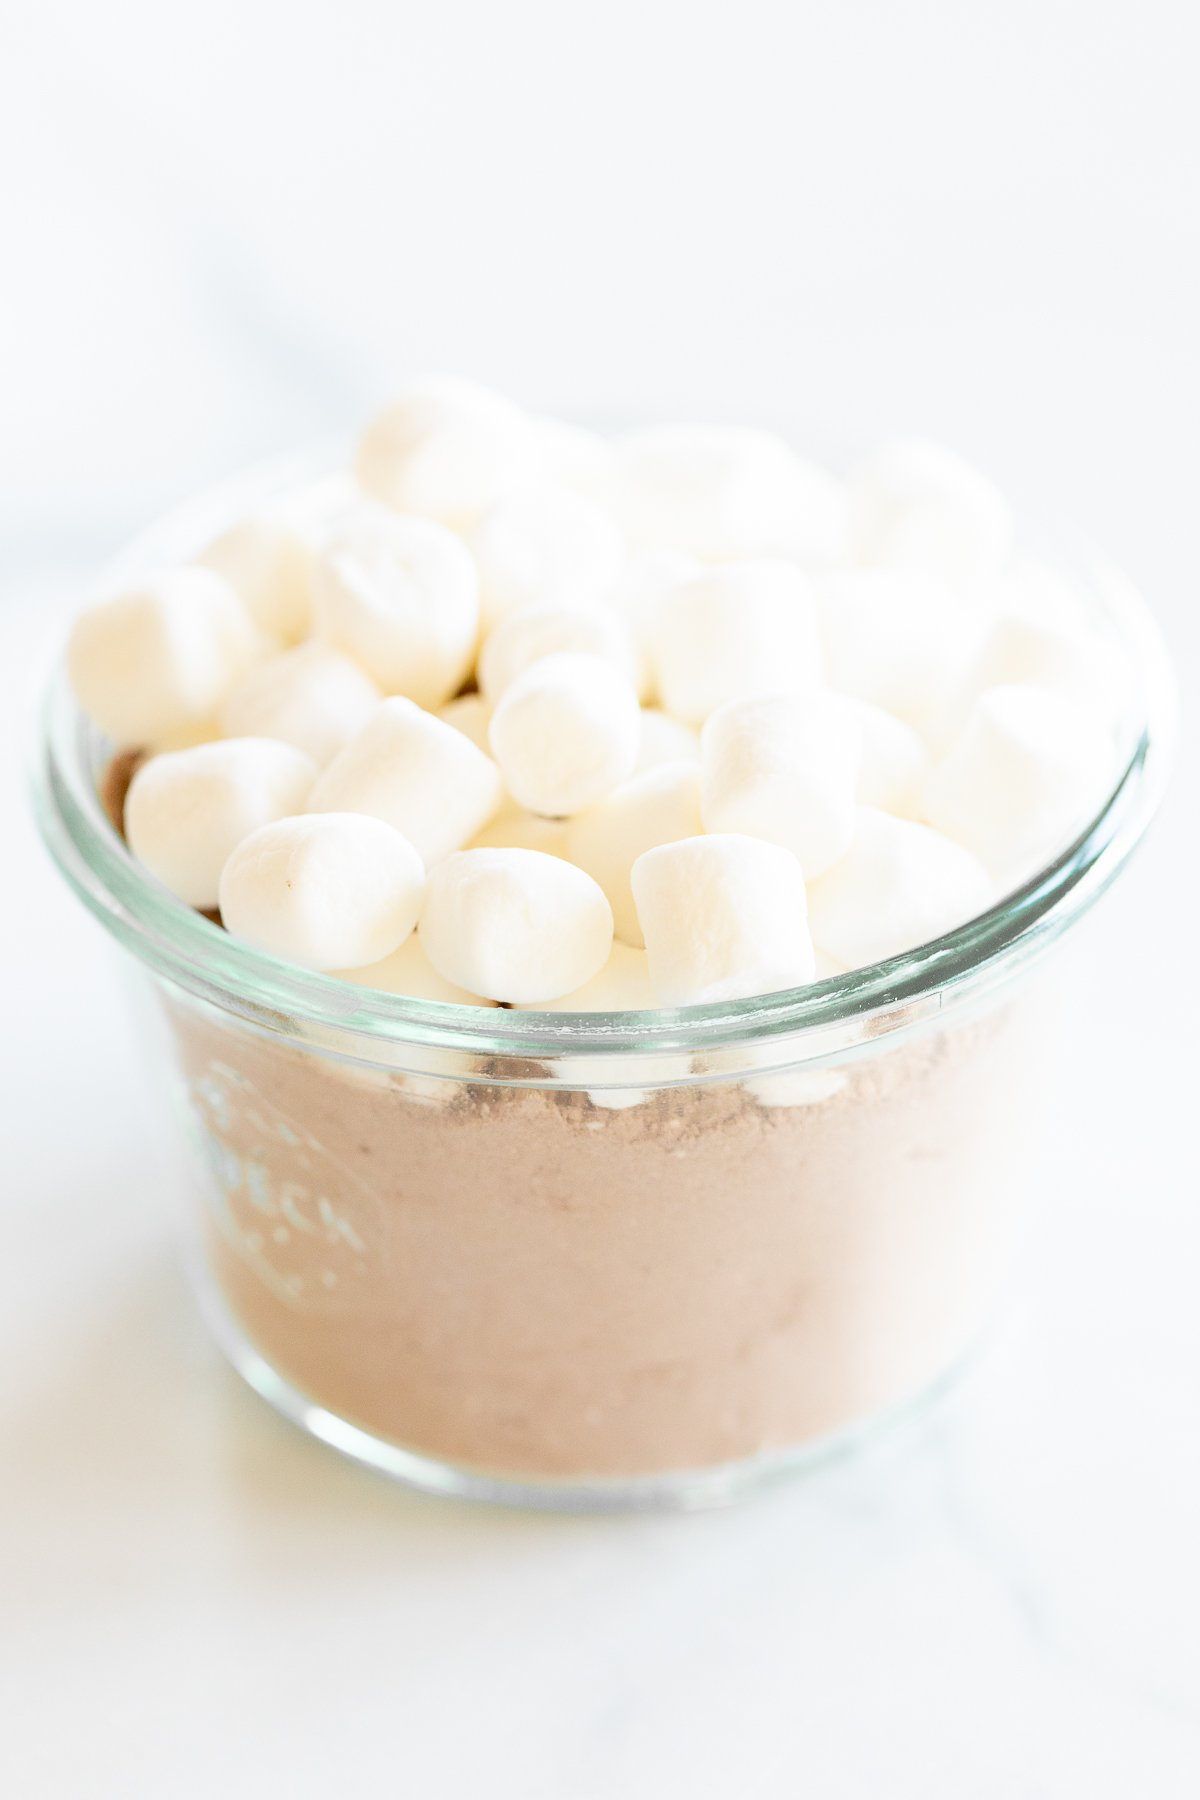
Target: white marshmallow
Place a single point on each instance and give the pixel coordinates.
(664, 739)
(312, 696)
(188, 810)
(796, 1087)
(1028, 651)
(900, 638)
(812, 521)
(417, 774)
(566, 733)
(431, 1087)
(656, 807)
(408, 971)
(446, 449)
(916, 505)
(545, 546)
(595, 1068)
(516, 829)
(784, 767)
(198, 731)
(160, 657)
(723, 917)
(328, 890)
(733, 633)
(470, 714)
(401, 596)
(635, 598)
(893, 764)
(1039, 590)
(621, 985)
(320, 506)
(570, 456)
(515, 925)
(267, 560)
(721, 492)
(900, 885)
(523, 638)
(1027, 771)
(768, 1056)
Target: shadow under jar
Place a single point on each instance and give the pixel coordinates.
(601, 1260)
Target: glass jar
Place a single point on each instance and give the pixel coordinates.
(600, 1259)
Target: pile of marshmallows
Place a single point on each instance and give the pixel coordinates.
(515, 713)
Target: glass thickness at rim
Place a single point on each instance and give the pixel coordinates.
(199, 956)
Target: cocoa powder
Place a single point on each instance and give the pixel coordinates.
(520, 1281)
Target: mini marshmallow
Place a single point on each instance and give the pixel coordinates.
(570, 456)
(612, 1099)
(566, 733)
(769, 1057)
(813, 516)
(320, 506)
(783, 767)
(621, 985)
(656, 807)
(187, 810)
(733, 633)
(515, 925)
(470, 714)
(523, 638)
(409, 972)
(900, 885)
(665, 739)
(723, 917)
(796, 1087)
(416, 773)
(1028, 769)
(437, 1086)
(916, 505)
(400, 596)
(197, 731)
(545, 546)
(722, 492)
(312, 696)
(445, 449)
(327, 890)
(893, 763)
(635, 598)
(266, 559)
(1026, 651)
(160, 657)
(516, 829)
(1039, 590)
(901, 639)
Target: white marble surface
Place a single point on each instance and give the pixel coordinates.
(222, 236)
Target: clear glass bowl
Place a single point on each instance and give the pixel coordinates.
(599, 1260)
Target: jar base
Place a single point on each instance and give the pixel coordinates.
(675, 1490)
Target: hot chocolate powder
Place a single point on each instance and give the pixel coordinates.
(523, 1282)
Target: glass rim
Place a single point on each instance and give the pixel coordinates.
(361, 1023)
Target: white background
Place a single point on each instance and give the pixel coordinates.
(227, 228)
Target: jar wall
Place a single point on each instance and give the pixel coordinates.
(546, 1282)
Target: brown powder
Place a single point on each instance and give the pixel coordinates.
(114, 785)
(527, 1283)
